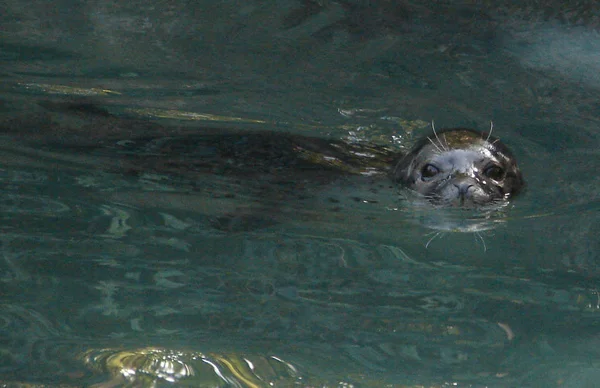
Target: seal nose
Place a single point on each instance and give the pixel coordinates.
(463, 187)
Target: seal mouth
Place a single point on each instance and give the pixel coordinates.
(461, 201)
(461, 192)
(437, 200)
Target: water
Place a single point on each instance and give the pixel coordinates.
(116, 273)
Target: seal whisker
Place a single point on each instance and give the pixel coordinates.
(436, 235)
(435, 145)
(437, 137)
(490, 132)
(478, 235)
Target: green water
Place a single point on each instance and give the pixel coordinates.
(112, 274)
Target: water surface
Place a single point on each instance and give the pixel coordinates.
(114, 274)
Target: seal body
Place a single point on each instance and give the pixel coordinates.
(460, 167)
(455, 167)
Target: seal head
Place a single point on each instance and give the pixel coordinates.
(460, 167)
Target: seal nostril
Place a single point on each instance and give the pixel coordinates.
(463, 188)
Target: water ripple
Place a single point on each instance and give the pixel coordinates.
(152, 366)
(29, 204)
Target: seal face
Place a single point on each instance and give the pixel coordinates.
(460, 167)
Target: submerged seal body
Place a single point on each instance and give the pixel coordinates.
(460, 167)
(455, 167)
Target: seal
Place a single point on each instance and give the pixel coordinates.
(460, 167)
(455, 167)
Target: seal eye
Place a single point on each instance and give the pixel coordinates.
(494, 172)
(429, 171)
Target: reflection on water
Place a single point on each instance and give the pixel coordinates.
(147, 367)
(125, 265)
